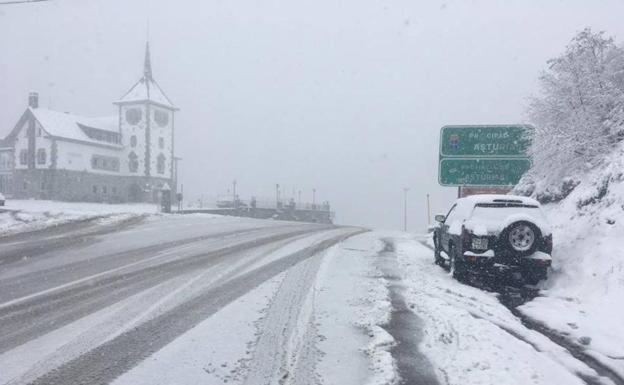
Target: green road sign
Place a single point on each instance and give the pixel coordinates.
(482, 172)
(483, 155)
(484, 141)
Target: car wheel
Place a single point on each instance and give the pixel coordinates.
(436, 254)
(457, 267)
(521, 238)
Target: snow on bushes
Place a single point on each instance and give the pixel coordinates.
(579, 117)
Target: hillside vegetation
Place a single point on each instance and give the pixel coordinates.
(578, 173)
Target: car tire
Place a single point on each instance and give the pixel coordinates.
(522, 227)
(457, 267)
(438, 260)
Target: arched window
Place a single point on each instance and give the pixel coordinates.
(41, 156)
(133, 141)
(160, 164)
(133, 162)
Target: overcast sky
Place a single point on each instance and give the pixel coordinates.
(343, 96)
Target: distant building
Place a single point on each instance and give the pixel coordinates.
(120, 158)
(6, 167)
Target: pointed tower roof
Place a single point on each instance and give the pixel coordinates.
(147, 66)
(146, 89)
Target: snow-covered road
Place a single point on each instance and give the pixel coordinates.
(203, 299)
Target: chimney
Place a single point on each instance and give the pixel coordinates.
(33, 100)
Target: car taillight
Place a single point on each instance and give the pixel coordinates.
(466, 239)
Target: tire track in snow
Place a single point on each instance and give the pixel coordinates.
(285, 351)
(34, 317)
(109, 360)
(508, 297)
(123, 316)
(404, 326)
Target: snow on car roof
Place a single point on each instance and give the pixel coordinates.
(498, 198)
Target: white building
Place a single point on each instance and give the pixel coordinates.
(125, 157)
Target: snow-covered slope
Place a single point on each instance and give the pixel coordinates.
(28, 215)
(584, 295)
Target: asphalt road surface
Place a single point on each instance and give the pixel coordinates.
(81, 273)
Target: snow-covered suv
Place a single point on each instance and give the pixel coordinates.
(480, 231)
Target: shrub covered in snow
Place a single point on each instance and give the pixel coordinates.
(579, 117)
(578, 157)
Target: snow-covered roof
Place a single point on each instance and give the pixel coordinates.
(65, 125)
(146, 89)
(499, 198)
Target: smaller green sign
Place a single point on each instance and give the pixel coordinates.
(484, 141)
(482, 172)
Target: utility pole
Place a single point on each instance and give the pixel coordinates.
(428, 211)
(234, 193)
(313, 199)
(405, 190)
(299, 198)
(276, 194)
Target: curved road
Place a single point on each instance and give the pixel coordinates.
(159, 276)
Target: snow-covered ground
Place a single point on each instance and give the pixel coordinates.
(582, 299)
(326, 322)
(330, 318)
(470, 337)
(27, 215)
(584, 296)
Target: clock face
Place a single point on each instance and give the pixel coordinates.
(161, 118)
(134, 115)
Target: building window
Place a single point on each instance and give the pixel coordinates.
(161, 143)
(133, 141)
(104, 189)
(107, 163)
(95, 189)
(23, 157)
(160, 164)
(38, 131)
(134, 115)
(161, 118)
(133, 162)
(114, 190)
(101, 135)
(41, 156)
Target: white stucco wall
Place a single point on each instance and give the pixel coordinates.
(156, 131)
(77, 157)
(42, 141)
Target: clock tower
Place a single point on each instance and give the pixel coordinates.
(146, 126)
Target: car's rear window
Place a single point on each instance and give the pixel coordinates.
(494, 211)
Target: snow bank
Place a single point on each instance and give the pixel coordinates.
(470, 337)
(29, 215)
(583, 296)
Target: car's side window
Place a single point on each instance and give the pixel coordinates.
(451, 214)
